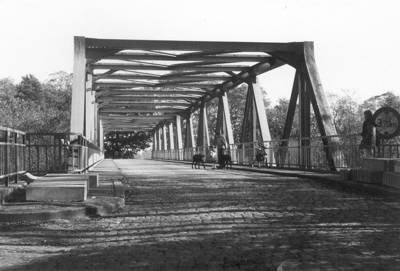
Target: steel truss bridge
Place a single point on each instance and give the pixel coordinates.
(156, 85)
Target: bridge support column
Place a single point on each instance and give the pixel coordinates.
(189, 139)
(101, 135)
(171, 137)
(178, 122)
(155, 147)
(78, 87)
(164, 135)
(224, 124)
(83, 106)
(203, 139)
(255, 124)
(96, 121)
(307, 85)
(159, 133)
(305, 128)
(289, 119)
(90, 112)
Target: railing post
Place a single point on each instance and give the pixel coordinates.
(16, 157)
(24, 151)
(6, 157)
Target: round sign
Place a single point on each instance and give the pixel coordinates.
(387, 121)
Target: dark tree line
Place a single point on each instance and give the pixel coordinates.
(35, 106)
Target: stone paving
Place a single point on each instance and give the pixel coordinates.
(177, 218)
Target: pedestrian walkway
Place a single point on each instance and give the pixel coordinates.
(178, 218)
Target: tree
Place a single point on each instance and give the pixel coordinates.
(7, 89)
(57, 91)
(29, 88)
(125, 144)
(237, 103)
(31, 106)
(276, 118)
(346, 114)
(378, 101)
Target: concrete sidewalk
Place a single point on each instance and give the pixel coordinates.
(333, 178)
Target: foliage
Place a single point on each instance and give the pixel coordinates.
(125, 144)
(346, 114)
(385, 99)
(32, 106)
(30, 89)
(276, 116)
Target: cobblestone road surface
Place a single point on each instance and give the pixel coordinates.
(182, 219)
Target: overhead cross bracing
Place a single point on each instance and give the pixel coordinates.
(133, 79)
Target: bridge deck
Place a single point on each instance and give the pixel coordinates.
(182, 219)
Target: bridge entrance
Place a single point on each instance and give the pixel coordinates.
(155, 86)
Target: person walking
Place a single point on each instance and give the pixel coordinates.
(220, 142)
(368, 134)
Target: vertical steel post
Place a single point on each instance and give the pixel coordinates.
(178, 123)
(78, 87)
(171, 136)
(164, 135)
(6, 157)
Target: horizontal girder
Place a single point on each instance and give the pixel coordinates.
(170, 45)
(204, 58)
(127, 66)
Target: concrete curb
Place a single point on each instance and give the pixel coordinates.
(52, 212)
(36, 211)
(7, 193)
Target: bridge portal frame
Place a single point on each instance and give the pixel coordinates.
(152, 82)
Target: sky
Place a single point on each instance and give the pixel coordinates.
(356, 41)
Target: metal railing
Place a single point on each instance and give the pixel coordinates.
(41, 153)
(47, 152)
(12, 154)
(60, 153)
(295, 153)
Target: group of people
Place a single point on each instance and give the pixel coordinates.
(217, 154)
(220, 155)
